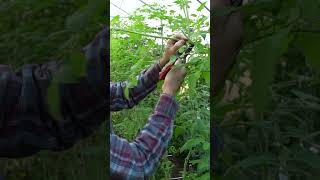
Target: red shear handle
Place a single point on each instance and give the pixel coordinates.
(164, 73)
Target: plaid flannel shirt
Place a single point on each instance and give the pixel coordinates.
(27, 126)
(138, 159)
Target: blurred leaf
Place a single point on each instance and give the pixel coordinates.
(206, 77)
(82, 18)
(266, 56)
(179, 130)
(190, 144)
(115, 19)
(309, 43)
(263, 159)
(202, 5)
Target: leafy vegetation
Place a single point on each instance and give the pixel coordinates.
(135, 45)
(269, 111)
(34, 31)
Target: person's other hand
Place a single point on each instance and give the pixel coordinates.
(174, 79)
(172, 48)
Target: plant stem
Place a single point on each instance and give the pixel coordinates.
(149, 35)
(186, 164)
(162, 44)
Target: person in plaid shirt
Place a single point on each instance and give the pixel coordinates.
(27, 126)
(138, 159)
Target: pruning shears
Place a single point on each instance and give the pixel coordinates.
(179, 55)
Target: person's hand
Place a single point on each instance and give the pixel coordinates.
(172, 48)
(174, 79)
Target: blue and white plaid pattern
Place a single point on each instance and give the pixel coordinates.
(138, 159)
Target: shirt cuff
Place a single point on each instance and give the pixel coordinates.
(158, 66)
(167, 105)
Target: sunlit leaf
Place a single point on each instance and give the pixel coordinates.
(202, 5)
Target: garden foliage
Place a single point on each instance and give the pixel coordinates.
(269, 111)
(135, 45)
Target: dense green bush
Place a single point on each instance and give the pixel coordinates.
(133, 52)
(270, 113)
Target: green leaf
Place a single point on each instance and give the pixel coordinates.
(81, 19)
(206, 146)
(202, 5)
(310, 43)
(266, 54)
(173, 58)
(190, 144)
(304, 96)
(192, 81)
(115, 19)
(78, 63)
(206, 76)
(254, 161)
(133, 82)
(179, 130)
(126, 92)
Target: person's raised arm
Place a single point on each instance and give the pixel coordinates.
(138, 159)
(146, 81)
(227, 39)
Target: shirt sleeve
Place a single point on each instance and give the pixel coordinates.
(146, 83)
(26, 124)
(138, 159)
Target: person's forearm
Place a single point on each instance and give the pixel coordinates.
(146, 83)
(139, 158)
(227, 38)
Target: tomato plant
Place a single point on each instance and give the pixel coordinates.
(136, 43)
(269, 110)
